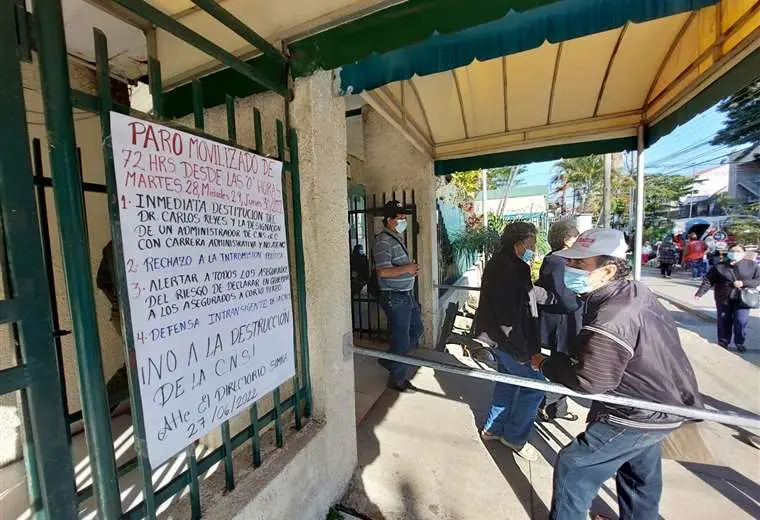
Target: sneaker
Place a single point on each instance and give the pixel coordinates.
(488, 436)
(741, 348)
(404, 388)
(526, 451)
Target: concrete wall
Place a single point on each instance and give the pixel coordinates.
(392, 163)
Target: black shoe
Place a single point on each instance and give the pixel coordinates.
(741, 348)
(406, 387)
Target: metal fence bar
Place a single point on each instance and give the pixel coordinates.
(293, 289)
(47, 253)
(13, 378)
(229, 471)
(156, 86)
(234, 24)
(701, 414)
(67, 188)
(169, 24)
(255, 439)
(303, 322)
(192, 461)
(104, 92)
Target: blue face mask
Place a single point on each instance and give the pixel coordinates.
(400, 226)
(735, 256)
(577, 280)
(527, 256)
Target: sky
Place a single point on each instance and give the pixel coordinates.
(684, 149)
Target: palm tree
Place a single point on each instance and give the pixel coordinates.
(583, 175)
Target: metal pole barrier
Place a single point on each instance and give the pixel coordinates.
(639, 236)
(701, 414)
(457, 287)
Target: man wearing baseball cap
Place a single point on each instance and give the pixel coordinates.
(628, 346)
(396, 275)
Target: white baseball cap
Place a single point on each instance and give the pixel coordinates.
(597, 242)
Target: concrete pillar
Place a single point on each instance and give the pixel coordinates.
(391, 163)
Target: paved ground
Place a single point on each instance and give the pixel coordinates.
(679, 291)
(420, 456)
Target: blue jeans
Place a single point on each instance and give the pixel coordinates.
(697, 268)
(599, 452)
(405, 326)
(513, 408)
(732, 318)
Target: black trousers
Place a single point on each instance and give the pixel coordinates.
(666, 269)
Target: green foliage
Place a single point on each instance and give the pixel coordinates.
(746, 229)
(742, 124)
(468, 245)
(657, 229)
(468, 184)
(662, 190)
(585, 177)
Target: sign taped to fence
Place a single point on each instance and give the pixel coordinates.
(206, 262)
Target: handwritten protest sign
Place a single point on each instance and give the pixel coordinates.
(206, 260)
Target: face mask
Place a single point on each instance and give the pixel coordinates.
(577, 280)
(735, 256)
(400, 226)
(527, 256)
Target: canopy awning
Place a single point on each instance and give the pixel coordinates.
(567, 78)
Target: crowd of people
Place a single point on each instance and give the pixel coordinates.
(733, 272)
(582, 324)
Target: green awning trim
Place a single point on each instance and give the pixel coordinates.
(405, 24)
(515, 32)
(547, 153)
(396, 27)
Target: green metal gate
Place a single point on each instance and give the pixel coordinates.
(28, 302)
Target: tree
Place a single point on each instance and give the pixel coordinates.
(742, 124)
(468, 184)
(663, 190)
(582, 175)
(585, 177)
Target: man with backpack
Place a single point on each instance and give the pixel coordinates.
(396, 275)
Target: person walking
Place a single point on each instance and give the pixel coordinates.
(727, 279)
(507, 318)
(667, 255)
(560, 322)
(396, 276)
(646, 252)
(628, 346)
(694, 256)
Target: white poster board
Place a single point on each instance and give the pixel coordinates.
(206, 260)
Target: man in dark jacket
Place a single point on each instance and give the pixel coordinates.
(560, 322)
(507, 317)
(629, 346)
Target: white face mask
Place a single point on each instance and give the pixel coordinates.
(401, 226)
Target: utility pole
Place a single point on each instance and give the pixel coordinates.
(607, 201)
(691, 195)
(484, 198)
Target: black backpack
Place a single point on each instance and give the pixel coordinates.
(373, 285)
